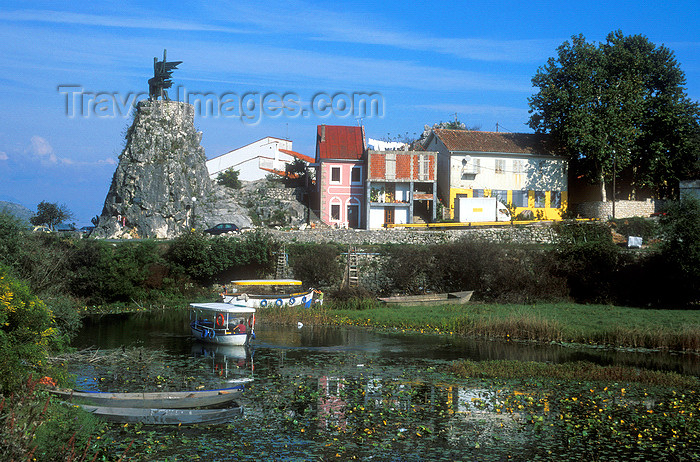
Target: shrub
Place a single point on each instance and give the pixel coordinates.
(33, 427)
(106, 273)
(12, 234)
(229, 178)
(590, 269)
(646, 228)
(316, 265)
(577, 232)
(680, 251)
(220, 258)
(28, 332)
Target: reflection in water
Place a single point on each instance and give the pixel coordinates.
(228, 362)
(324, 393)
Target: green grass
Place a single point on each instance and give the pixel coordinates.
(677, 330)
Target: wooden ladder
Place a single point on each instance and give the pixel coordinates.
(281, 271)
(352, 270)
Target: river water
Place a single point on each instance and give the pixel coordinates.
(327, 393)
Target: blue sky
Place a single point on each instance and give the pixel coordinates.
(427, 62)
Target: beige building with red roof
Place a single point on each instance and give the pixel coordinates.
(517, 168)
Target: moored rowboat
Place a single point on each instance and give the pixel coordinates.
(455, 298)
(164, 416)
(165, 399)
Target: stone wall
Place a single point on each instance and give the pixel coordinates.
(510, 234)
(623, 209)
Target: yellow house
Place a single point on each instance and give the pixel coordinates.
(520, 169)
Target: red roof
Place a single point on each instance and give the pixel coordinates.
(339, 142)
(474, 141)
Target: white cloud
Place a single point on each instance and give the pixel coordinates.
(3, 156)
(40, 147)
(64, 17)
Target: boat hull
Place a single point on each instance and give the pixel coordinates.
(169, 400)
(450, 298)
(300, 299)
(218, 338)
(164, 416)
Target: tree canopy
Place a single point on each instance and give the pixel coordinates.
(619, 108)
(50, 214)
(229, 178)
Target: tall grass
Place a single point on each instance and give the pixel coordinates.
(576, 371)
(677, 330)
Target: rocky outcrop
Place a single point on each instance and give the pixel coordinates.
(161, 186)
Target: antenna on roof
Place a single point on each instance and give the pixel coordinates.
(359, 121)
(496, 127)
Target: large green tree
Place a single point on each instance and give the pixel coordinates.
(50, 214)
(619, 108)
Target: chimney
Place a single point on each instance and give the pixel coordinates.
(323, 133)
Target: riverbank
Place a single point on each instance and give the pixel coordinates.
(603, 325)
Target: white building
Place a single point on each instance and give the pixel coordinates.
(255, 160)
(517, 168)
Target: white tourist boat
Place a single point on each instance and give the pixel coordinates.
(222, 323)
(262, 293)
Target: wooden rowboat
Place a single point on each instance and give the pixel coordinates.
(450, 298)
(164, 416)
(156, 400)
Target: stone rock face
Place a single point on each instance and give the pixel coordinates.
(160, 171)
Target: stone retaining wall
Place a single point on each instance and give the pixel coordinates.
(623, 209)
(538, 234)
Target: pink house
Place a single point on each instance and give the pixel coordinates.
(341, 175)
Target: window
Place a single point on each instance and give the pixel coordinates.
(500, 194)
(518, 166)
(335, 212)
(356, 175)
(500, 166)
(539, 199)
(390, 166)
(335, 174)
(422, 167)
(555, 199)
(520, 198)
(478, 193)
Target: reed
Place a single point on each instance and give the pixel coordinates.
(581, 371)
(677, 330)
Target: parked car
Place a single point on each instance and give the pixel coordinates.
(223, 228)
(87, 230)
(41, 229)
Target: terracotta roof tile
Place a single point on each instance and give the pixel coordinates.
(474, 141)
(339, 142)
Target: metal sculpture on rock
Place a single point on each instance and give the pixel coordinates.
(162, 72)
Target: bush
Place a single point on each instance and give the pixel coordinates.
(33, 427)
(496, 272)
(646, 228)
(12, 234)
(103, 273)
(680, 251)
(27, 335)
(219, 258)
(577, 233)
(229, 178)
(317, 265)
(590, 269)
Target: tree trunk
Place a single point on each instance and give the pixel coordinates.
(603, 194)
